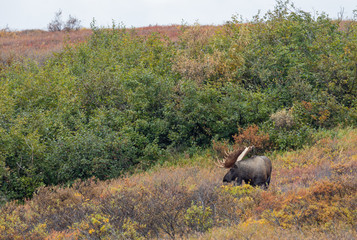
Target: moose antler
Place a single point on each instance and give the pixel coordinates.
(232, 157)
(245, 152)
(226, 161)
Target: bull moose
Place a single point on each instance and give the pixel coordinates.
(255, 170)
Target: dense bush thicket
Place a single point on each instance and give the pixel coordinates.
(120, 100)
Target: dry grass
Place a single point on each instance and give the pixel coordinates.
(39, 45)
(36, 44)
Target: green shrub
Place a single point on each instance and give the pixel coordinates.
(120, 100)
(199, 218)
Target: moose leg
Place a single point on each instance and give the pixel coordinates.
(239, 181)
(266, 185)
(262, 183)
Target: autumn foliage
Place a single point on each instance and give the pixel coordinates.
(312, 195)
(251, 137)
(108, 134)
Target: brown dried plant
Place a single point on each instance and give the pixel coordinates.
(220, 147)
(283, 119)
(252, 137)
(194, 61)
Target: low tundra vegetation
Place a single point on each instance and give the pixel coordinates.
(313, 195)
(75, 127)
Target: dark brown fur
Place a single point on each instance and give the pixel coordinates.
(255, 170)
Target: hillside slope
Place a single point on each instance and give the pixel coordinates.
(124, 99)
(39, 45)
(313, 195)
(36, 44)
(123, 102)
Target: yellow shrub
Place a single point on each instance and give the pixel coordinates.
(199, 218)
(95, 225)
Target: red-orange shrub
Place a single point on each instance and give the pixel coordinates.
(252, 137)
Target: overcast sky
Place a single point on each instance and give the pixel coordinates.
(36, 14)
